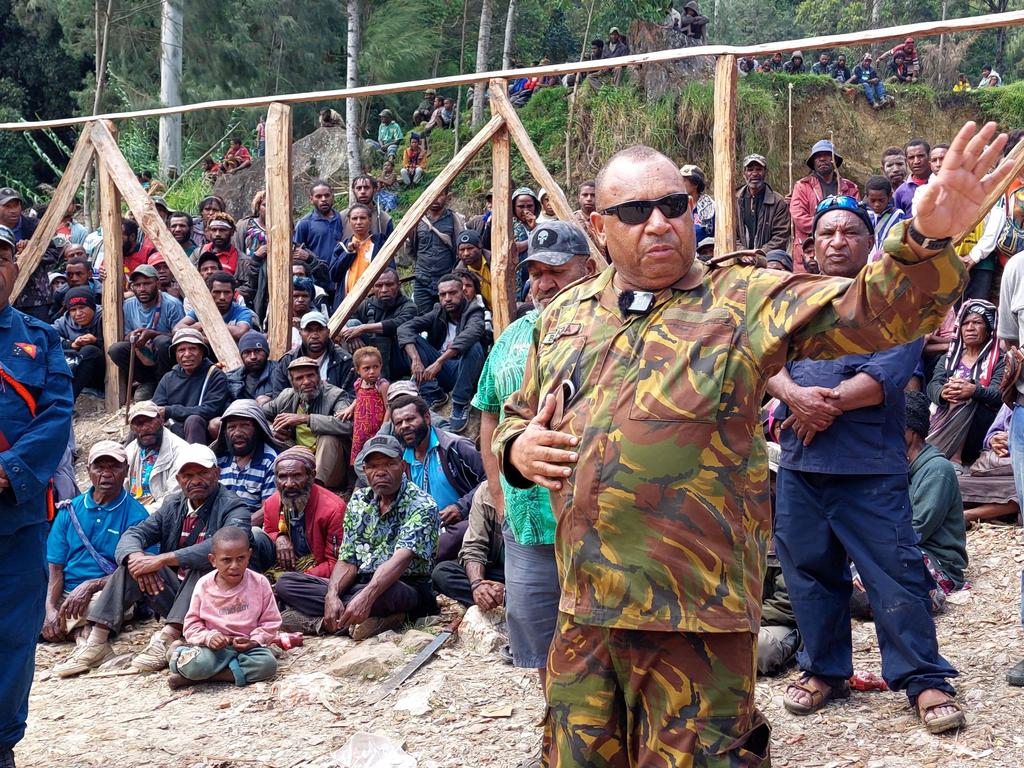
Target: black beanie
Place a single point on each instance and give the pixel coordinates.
(76, 297)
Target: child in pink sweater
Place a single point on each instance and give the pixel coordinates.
(232, 619)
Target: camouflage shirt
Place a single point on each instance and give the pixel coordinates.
(664, 523)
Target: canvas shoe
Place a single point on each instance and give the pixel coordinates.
(85, 657)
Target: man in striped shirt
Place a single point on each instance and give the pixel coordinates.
(246, 450)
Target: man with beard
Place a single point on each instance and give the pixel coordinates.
(149, 317)
(432, 248)
(334, 362)
(36, 403)
(80, 547)
(894, 166)
(304, 414)
(762, 214)
(237, 318)
(254, 380)
(165, 277)
(180, 225)
(475, 259)
(194, 391)
(449, 359)
(376, 321)
(823, 181)
(305, 522)
(246, 449)
(445, 465)
(363, 189)
(319, 231)
(152, 456)
(918, 152)
(382, 574)
(220, 229)
(182, 528)
(135, 249)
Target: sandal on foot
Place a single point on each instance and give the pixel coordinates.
(943, 723)
(819, 698)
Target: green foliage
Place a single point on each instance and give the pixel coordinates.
(188, 191)
(1005, 105)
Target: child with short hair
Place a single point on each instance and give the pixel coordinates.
(369, 409)
(232, 619)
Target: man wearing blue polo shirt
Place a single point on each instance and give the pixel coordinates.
(239, 320)
(319, 231)
(81, 544)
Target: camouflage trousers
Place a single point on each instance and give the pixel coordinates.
(621, 698)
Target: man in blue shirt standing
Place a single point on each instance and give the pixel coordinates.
(319, 231)
(842, 494)
(81, 544)
(36, 403)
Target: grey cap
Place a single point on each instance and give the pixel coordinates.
(148, 270)
(7, 236)
(7, 194)
(754, 158)
(555, 242)
(707, 242)
(313, 316)
(159, 202)
(386, 444)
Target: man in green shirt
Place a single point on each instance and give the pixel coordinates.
(557, 255)
(389, 135)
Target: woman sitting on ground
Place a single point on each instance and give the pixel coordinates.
(966, 385)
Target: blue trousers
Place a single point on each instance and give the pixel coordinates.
(1017, 462)
(820, 520)
(458, 376)
(874, 92)
(199, 663)
(22, 609)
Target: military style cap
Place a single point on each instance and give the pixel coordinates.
(555, 242)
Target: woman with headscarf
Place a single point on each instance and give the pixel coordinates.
(965, 386)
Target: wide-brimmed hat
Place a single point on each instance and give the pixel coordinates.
(823, 146)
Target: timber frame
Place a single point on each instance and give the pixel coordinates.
(117, 181)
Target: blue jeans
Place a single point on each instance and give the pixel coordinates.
(201, 663)
(1017, 462)
(391, 150)
(458, 376)
(820, 519)
(874, 92)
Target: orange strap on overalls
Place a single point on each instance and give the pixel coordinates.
(30, 402)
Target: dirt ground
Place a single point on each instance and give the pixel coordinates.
(116, 719)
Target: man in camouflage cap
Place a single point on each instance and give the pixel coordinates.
(639, 410)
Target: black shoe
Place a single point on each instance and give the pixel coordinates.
(505, 654)
(7, 758)
(1015, 676)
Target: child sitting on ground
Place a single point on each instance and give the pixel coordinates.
(369, 410)
(232, 619)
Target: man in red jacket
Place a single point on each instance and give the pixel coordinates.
(823, 181)
(303, 519)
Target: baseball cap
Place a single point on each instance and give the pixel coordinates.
(706, 242)
(159, 202)
(469, 237)
(692, 171)
(386, 444)
(145, 408)
(156, 258)
(614, 31)
(7, 236)
(313, 316)
(108, 448)
(385, 113)
(303, 362)
(146, 270)
(187, 336)
(555, 242)
(755, 158)
(399, 388)
(7, 194)
(195, 453)
(208, 256)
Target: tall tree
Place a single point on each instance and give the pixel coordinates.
(171, 41)
(510, 19)
(355, 166)
(483, 46)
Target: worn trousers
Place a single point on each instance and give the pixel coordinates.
(122, 591)
(120, 353)
(621, 698)
(198, 663)
(90, 365)
(450, 579)
(307, 594)
(821, 519)
(22, 609)
(193, 429)
(332, 454)
(458, 376)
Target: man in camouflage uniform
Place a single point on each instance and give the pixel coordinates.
(639, 410)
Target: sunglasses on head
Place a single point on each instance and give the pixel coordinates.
(638, 211)
(833, 202)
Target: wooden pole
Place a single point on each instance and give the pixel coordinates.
(923, 29)
(503, 263)
(724, 148)
(113, 283)
(409, 221)
(150, 222)
(502, 106)
(279, 228)
(78, 165)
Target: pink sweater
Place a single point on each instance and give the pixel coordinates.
(248, 610)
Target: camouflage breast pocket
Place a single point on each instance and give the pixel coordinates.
(681, 370)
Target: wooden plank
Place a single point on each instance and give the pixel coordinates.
(63, 196)
(150, 222)
(1017, 156)
(864, 37)
(502, 106)
(724, 150)
(409, 222)
(503, 264)
(113, 283)
(279, 228)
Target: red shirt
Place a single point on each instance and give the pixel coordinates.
(228, 258)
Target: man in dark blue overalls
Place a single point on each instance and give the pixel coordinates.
(842, 491)
(35, 423)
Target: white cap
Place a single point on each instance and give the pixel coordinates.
(196, 453)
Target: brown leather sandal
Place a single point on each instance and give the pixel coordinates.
(941, 724)
(819, 698)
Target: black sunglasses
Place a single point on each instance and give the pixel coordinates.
(638, 211)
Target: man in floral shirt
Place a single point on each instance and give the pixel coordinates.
(383, 569)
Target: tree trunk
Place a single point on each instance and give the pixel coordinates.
(171, 41)
(355, 166)
(506, 54)
(483, 49)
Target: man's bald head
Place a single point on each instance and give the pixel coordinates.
(638, 153)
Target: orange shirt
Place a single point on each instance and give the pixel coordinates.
(364, 254)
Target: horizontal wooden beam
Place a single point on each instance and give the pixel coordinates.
(922, 29)
(408, 223)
